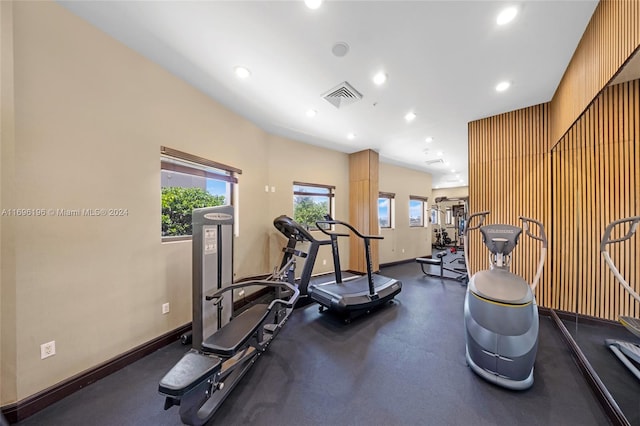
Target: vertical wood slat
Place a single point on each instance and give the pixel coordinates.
(588, 180)
(607, 43)
(602, 150)
(508, 163)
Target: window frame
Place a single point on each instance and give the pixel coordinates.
(424, 205)
(176, 161)
(391, 197)
(330, 195)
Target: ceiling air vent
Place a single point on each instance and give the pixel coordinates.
(432, 162)
(341, 95)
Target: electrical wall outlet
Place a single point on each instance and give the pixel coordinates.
(324, 261)
(47, 349)
(165, 308)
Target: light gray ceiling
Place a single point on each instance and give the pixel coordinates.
(443, 60)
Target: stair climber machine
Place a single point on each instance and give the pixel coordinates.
(224, 346)
(500, 311)
(627, 352)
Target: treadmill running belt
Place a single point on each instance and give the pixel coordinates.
(354, 287)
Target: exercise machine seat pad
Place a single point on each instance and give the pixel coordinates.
(230, 338)
(501, 286)
(188, 373)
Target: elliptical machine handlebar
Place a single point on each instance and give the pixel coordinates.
(542, 237)
(606, 239)
(465, 234)
(482, 216)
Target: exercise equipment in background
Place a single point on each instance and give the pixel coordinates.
(224, 346)
(500, 311)
(627, 352)
(440, 265)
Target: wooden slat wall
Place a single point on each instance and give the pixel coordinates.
(363, 207)
(509, 174)
(596, 180)
(611, 37)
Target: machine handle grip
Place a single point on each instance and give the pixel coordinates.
(542, 237)
(606, 238)
(329, 232)
(354, 230)
(482, 216)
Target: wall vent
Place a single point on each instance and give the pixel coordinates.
(341, 95)
(432, 162)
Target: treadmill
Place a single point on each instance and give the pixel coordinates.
(348, 297)
(627, 352)
(353, 297)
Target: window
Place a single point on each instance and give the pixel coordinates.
(385, 209)
(311, 202)
(417, 208)
(449, 219)
(188, 182)
(435, 216)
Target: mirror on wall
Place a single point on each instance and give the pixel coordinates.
(610, 348)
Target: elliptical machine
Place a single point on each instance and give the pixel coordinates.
(500, 310)
(627, 352)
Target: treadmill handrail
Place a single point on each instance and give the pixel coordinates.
(606, 240)
(354, 230)
(367, 247)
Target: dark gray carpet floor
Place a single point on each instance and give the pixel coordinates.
(620, 382)
(401, 365)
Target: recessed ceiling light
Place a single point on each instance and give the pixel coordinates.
(351, 136)
(502, 86)
(410, 116)
(453, 170)
(439, 153)
(447, 163)
(429, 139)
(313, 4)
(242, 72)
(380, 78)
(312, 113)
(507, 15)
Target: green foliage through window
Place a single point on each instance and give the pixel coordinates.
(177, 205)
(307, 211)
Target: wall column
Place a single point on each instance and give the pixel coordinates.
(363, 207)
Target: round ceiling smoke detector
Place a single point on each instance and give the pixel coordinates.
(340, 49)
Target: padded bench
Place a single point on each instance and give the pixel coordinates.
(230, 338)
(437, 261)
(188, 373)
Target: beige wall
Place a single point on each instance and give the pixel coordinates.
(7, 259)
(458, 192)
(291, 161)
(90, 117)
(404, 242)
